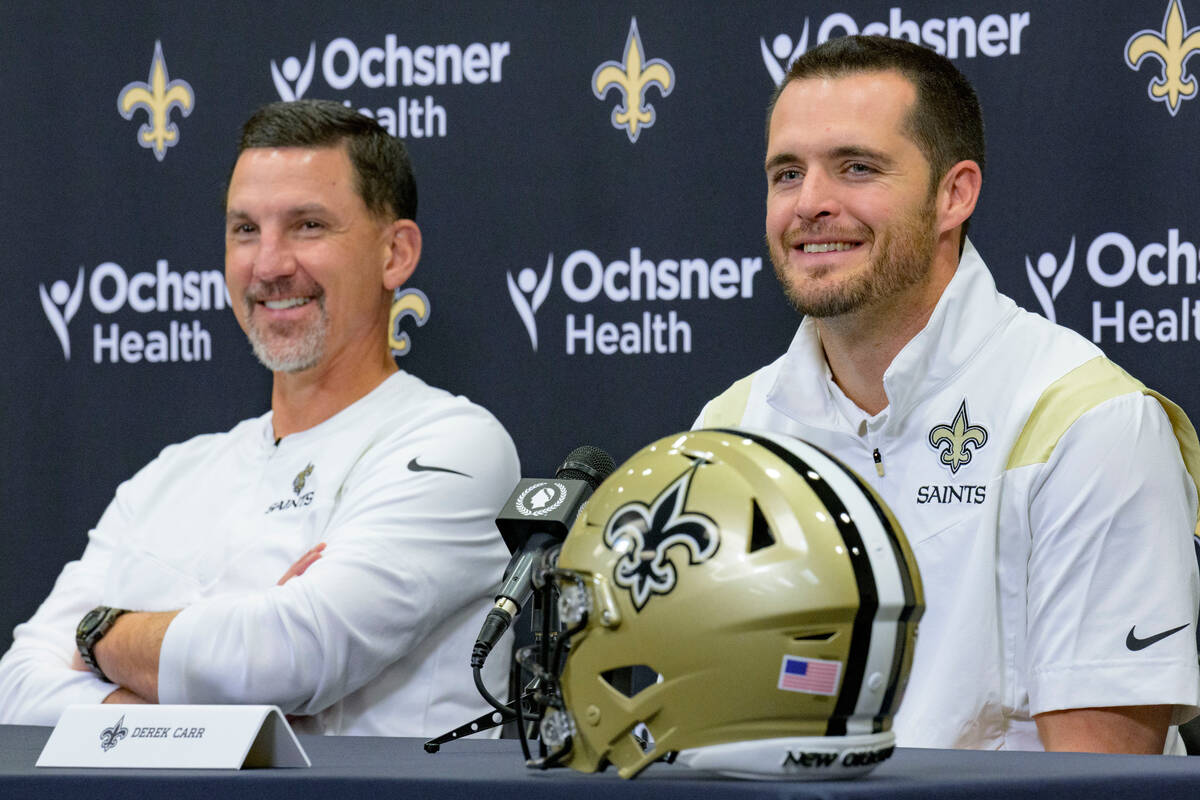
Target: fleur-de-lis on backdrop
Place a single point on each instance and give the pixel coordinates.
(1172, 47)
(406, 303)
(157, 97)
(633, 76)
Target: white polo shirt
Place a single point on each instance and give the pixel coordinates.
(1045, 494)
(375, 638)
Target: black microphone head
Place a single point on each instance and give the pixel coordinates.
(587, 463)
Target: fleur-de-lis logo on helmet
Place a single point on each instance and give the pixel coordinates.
(645, 538)
(633, 77)
(110, 736)
(157, 97)
(1172, 47)
(954, 438)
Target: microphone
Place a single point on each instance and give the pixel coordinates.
(535, 520)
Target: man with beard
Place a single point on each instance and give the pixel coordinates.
(1049, 497)
(333, 557)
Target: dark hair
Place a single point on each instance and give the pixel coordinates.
(383, 172)
(945, 121)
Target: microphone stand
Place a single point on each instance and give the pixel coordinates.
(483, 722)
(545, 625)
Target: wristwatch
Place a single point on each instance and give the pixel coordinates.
(91, 629)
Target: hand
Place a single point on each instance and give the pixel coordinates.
(118, 695)
(305, 561)
(126, 697)
(129, 653)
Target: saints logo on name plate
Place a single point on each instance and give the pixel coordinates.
(111, 736)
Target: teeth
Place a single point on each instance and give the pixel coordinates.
(827, 247)
(291, 302)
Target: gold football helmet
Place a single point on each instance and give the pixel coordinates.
(764, 592)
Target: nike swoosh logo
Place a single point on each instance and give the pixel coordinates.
(1135, 644)
(413, 466)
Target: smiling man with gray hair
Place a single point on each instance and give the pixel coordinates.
(333, 556)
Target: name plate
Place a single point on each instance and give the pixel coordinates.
(173, 737)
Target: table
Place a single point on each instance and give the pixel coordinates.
(377, 768)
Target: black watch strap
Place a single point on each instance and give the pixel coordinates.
(91, 629)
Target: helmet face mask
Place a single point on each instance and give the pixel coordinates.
(555, 724)
(766, 591)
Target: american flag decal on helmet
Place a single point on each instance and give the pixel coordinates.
(811, 675)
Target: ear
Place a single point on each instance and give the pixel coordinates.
(957, 195)
(404, 253)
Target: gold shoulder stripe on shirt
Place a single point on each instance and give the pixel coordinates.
(1189, 447)
(1065, 401)
(1081, 390)
(728, 408)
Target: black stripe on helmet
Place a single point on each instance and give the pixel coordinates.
(910, 613)
(868, 592)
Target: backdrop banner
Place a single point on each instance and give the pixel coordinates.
(591, 197)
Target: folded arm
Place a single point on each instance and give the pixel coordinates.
(129, 653)
(406, 549)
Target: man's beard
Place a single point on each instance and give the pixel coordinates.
(902, 259)
(286, 347)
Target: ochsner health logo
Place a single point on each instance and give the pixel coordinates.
(637, 282)
(293, 80)
(1049, 269)
(111, 290)
(1113, 261)
(373, 68)
(60, 305)
(528, 293)
(964, 36)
